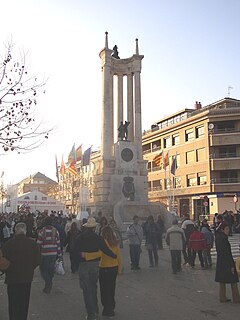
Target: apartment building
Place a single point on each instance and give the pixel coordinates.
(206, 143)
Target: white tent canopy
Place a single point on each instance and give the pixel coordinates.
(37, 201)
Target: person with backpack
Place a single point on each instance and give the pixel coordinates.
(49, 243)
(209, 240)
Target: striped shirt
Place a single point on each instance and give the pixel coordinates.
(49, 241)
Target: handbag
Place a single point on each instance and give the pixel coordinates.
(59, 269)
(4, 262)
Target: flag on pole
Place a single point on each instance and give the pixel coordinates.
(57, 175)
(79, 153)
(174, 165)
(165, 161)
(158, 160)
(86, 157)
(72, 161)
(62, 168)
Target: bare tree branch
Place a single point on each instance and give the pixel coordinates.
(18, 100)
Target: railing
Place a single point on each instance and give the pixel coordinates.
(154, 169)
(151, 150)
(225, 180)
(225, 130)
(224, 155)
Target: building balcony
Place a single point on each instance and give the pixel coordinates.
(224, 138)
(151, 150)
(225, 185)
(230, 162)
(225, 180)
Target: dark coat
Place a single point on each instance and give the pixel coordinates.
(225, 261)
(24, 256)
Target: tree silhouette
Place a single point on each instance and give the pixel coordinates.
(19, 129)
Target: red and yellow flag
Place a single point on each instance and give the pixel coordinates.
(158, 160)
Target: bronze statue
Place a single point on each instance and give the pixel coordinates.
(123, 130)
(115, 52)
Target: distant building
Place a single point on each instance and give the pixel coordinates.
(206, 143)
(36, 182)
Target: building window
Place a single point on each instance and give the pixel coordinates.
(149, 185)
(201, 154)
(177, 182)
(190, 157)
(168, 183)
(199, 131)
(35, 197)
(166, 142)
(175, 139)
(201, 178)
(156, 145)
(44, 198)
(189, 134)
(191, 180)
(157, 184)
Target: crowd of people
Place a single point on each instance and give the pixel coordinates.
(94, 247)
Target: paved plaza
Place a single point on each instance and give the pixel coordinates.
(148, 294)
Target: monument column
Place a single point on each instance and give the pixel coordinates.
(107, 105)
(119, 99)
(130, 106)
(138, 120)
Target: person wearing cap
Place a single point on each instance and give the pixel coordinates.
(90, 242)
(225, 267)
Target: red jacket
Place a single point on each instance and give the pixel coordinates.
(197, 241)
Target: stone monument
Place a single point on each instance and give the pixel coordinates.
(120, 174)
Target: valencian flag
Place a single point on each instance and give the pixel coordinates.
(72, 161)
(57, 175)
(165, 161)
(174, 165)
(62, 168)
(86, 157)
(79, 153)
(158, 160)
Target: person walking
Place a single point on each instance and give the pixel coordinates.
(196, 245)
(49, 243)
(188, 227)
(90, 242)
(109, 268)
(24, 256)
(72, 235)
(135, 237)
(225, 267)
(151, 235)
(209, 240)
(175, 239)
(160, 224)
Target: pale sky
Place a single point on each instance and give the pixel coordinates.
(191, 53)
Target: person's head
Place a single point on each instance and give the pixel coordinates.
(174, 222)
(90, 224)
(47, 221)
(20, 228)
(150, 219)
(109, 236)
(219, 217)
(135, 219)
(73, 227)
(103, 221)
(224, 228)
(186, 216)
